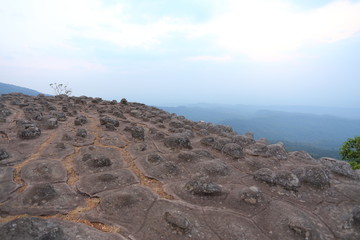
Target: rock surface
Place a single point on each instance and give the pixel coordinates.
(87, 168)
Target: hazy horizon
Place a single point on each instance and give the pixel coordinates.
(162, 53)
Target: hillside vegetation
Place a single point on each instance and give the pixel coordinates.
(318, 134)
(9, 88)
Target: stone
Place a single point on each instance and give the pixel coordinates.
(99, 162)
(157, 167)
(42, 199)
(138, 133)
(214, 167)
(128, 207)
(109, 121)
(288, 180)
(178, 141)
(66, 137)
(232, 227)
(80, 120)
(315, 176)
(29, 132)
(3, 154)
(31, 228)
(233, 150)
(48, 171)
(124, 101)
(40, 195)
(4, 112)
(110, 126)
(155, 158)
(265, 175)
(97, 159)
(257, 149)
(251, 195)
(203, 187)
(284, 178)
(176, 124)
(175, 222)
(51, 123)
(219, 129)
(196, 155)
(106, 181)
(356, 216)
(60, 116)
(178, 222)
(243, 141)
(81, 132)
(339, 167)
(6, 189)
(277, 150)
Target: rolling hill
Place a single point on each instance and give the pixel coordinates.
(9, 88)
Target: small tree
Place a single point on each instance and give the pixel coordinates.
(60, 89)
(350, 151)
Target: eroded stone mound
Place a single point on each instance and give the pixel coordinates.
(87, 168)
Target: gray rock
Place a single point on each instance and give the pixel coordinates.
(51, 123)
(60, 116)
(3, 154)
(339, 167)
(124, 101)
(251, 195)
(266, 175)
(203, 187)
(233, 150)
(31, 228)
(243, 140)
(316, 176)
(356, 216)
(81, 133)
(257, 149)
(178, 222)
(177, 141)
(194, 155)
(109, 121)
(277, 150)
(29, 132)
(220, 129)
(215, 167)
(216, 143)
(288, 180)
(47, 171)
(138, 133)
(80, 120)
(4, 112)
(176, 124)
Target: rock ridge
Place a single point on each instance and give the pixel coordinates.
(82, 167)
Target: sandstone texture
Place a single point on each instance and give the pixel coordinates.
(87, 168)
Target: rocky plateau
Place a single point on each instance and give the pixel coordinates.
(86, 168)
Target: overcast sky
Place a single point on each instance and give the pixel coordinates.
(165, 52)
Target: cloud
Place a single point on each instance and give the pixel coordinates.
(52, 63)
(42, 23)
(209, 58)
(275, 29)
(263, 30)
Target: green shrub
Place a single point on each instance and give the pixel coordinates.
(355, 165)
(350, 151)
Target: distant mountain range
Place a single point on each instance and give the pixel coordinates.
(9, 88)
(317, 130)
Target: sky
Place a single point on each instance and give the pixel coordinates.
(168, 53)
